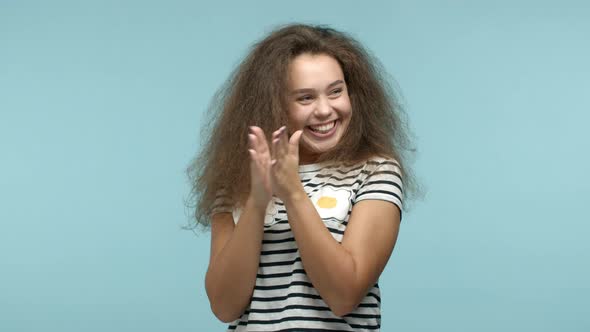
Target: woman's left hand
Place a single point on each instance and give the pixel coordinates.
(285, 164)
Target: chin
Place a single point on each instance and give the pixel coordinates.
(318, 148)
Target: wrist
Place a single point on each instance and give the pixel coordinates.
(295, 196)
(258, 206)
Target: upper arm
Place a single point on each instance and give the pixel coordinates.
(374, 222)
(369, 238)
(222, 227)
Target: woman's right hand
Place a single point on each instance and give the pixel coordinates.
(260, 165)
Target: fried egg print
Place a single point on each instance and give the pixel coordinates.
(332, 203)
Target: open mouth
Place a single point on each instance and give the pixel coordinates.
(323, 129)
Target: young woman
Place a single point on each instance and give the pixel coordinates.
(301, 182)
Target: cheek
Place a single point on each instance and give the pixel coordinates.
(343, 103)
(344, 108)
(297, 117)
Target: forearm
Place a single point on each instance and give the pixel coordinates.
(232, 273)
(329, 266)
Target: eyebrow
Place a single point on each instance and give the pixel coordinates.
(307, 90)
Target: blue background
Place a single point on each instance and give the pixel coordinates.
(101, 103)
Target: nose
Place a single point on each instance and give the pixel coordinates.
(323, 108)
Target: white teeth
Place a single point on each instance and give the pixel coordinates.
(323, 128)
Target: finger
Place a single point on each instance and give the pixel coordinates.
(277, 133)
(252, 155)
(275, 153)
(275, 139)
(252, 141)
(254, 130)
(256, 144)
(263, 141)
(285, 141)
(294, 142)
(260, 139)
(279, 142)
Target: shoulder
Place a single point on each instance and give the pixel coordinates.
(381, 180)
(380, 163)
(374, 166)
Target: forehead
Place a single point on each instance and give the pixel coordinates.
(314, 71)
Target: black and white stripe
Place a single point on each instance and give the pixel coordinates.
(284, 298)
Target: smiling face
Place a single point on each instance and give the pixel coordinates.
(318, 103)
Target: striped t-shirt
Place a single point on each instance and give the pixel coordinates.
(284, 298)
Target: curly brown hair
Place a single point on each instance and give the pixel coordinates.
(255, 94)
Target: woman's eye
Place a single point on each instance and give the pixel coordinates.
(337, 91)
(305, 98)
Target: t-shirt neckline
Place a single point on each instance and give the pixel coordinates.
(310, 167)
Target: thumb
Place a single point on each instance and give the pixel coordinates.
(294, 141)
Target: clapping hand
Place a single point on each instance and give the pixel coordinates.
(285, 163)
(273, 172)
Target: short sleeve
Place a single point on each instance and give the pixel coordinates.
(222, 203)
(383, 182)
